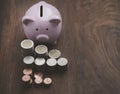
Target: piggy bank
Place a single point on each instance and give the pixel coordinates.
(42, 23)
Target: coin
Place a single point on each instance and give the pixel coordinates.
(38, 80)
(51, 62)
(62, 61)
(54, 53)
(39, 61)
(47, 81)
(27, 71)
(27, 44)
(38, 75)
(41, 49)
(28, 60)
(26, 78)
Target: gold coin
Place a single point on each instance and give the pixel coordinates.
(41, 49)
(54, 53)
(27, 44)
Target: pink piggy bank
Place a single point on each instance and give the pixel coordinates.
(42, 23)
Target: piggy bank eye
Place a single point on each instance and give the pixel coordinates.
(36, 29)
(47, 29)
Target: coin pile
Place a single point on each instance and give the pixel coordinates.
(35, 78)
(27, 76)
(41, 58)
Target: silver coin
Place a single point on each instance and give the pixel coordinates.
(62, 61)
(41, 49)
(39, 61)
(27, 44)
(54, 53)
(28, 60)
(51, 62)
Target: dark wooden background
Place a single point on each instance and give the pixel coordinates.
(90, 40)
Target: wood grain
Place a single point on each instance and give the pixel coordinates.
(90, 40)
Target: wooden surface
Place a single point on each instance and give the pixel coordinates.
(90, 40)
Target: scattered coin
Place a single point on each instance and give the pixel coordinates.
(41, 49)
(27, 71)
(38, 75)
(28, 60)
(54, 53)
(26, 78)
(47, 81)
(51, 62)
(38, 80)
(39, 61)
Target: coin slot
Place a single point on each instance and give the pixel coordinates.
(41, 11)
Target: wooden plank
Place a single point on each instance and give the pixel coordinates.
(90, 40)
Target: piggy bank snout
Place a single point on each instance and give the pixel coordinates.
(42, 37)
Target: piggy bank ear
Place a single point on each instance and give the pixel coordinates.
(55, 21)
(27, 20)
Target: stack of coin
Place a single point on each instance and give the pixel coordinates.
(38, 78)
(40, 63)
(51, 64)
(41, 51)
(62, 63)
(28, 47)
(38, 81)
(54, 53)
(26, 78)
(28, 61)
